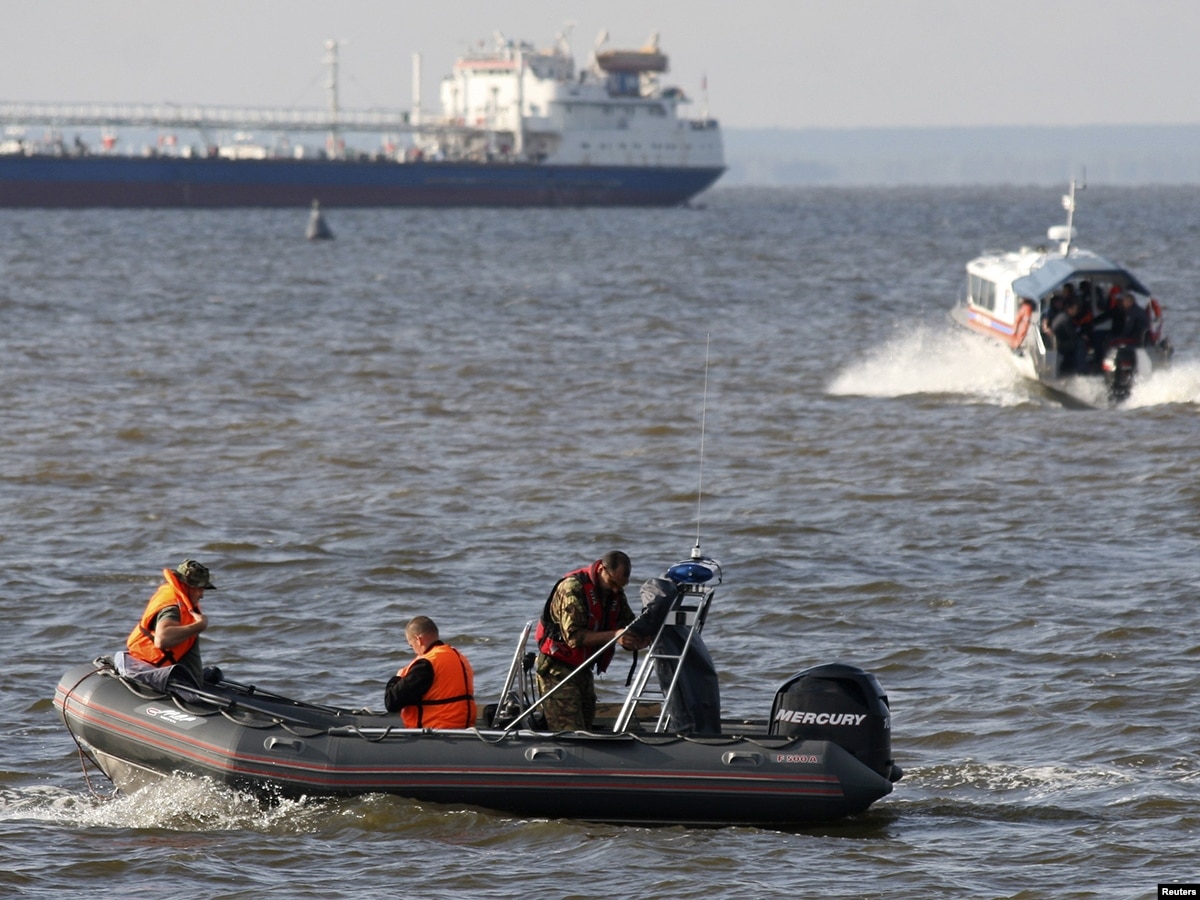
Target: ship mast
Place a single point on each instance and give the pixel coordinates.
(331, 57)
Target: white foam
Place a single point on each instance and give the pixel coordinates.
(928, 360)
(1178, 384)
(178, 803)
(1047, 780)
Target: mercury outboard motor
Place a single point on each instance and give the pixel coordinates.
(1119, 365)
(843, 705)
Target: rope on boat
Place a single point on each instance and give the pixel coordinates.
(264, 723)
(87, 779)
(355, 731)
(657, 739)
(83, 755)
(316, 732)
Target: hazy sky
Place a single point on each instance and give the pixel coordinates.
(768, 63)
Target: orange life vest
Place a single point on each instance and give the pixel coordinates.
(141, 640)
(450, 700)
(601, 617)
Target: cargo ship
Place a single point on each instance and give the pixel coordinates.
(518, 127)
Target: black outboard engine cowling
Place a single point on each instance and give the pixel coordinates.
(1119, 367)
(841, 704)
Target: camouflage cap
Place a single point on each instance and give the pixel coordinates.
(195, 574)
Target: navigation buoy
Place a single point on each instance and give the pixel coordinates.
(317, 230)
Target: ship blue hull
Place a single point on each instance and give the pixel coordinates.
(133, 182)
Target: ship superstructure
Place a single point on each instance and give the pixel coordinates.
(518, 102)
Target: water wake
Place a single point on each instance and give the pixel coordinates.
(928, 360)
(175, 804)
(1178, 384)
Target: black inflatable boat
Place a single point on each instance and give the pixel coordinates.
(665, 757)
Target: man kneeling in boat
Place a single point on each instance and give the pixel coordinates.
(166, 639)
(435, 690)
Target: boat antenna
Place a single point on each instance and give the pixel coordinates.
(1069, 205)
(703, 412)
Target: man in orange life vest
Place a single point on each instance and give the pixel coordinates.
(168, 632)
(435, 690)
(586, 610)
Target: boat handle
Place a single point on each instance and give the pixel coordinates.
(736, 758)
(275, 743)
(535, 753)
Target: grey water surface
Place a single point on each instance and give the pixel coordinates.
(441, 411)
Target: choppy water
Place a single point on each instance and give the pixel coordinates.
(441, 411)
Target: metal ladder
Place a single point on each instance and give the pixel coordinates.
(689, 609)
(514, 702)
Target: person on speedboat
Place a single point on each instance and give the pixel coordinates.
(1084, 316)
(167, 636)
(1130, 323)
(435, 690)
(1072, 349)
(1108, 305)
(586, 610)
(1133, 322)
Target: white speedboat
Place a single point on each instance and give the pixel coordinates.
(1082, 326)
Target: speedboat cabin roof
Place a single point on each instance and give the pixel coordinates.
(1054, 273)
